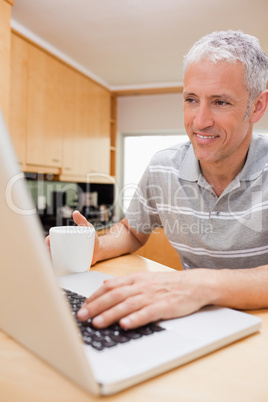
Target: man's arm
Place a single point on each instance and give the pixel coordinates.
(140, 298)
(137, 299)
(120, 239)
(242, 288)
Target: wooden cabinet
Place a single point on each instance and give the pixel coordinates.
(44, 135)
(34, 121)
(5, 38)
(18, 96)
(100, 132)
(113, 132)
(85, 127)
(60, 119)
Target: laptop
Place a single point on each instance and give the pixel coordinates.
(34, 309)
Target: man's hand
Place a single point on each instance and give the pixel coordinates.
(80, 220)
(138, 299)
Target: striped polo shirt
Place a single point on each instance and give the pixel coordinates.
(230, 231)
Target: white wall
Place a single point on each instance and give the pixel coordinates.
(156, 113)
(150, 113)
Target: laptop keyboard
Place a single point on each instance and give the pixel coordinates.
(108, 337)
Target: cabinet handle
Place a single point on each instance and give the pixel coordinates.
(55, 160)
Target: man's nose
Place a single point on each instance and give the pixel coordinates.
(203, 117)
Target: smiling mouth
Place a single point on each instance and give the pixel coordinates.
(206, 136)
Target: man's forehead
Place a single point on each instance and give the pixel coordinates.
(219, 78)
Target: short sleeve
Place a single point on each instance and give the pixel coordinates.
(142, 213)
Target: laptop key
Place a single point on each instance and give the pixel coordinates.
(119, 338)
(97, 345)
(133, 334)
(108, 342)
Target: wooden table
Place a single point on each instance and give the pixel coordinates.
(236, 373)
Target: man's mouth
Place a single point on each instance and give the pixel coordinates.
(206, 136)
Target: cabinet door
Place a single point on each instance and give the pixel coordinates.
(5, 13)
(100, 130)
(18, 95)
(59, 118)
(74, 124)
(44, 102)
(85, 127)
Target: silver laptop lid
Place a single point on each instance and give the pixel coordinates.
(32, 309)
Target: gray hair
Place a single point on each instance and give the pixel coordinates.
(233, 46)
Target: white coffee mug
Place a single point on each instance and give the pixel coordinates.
(71, 248)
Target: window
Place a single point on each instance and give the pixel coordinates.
(138, 151)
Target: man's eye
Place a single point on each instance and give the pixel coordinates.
(221, 103)
(189, 100)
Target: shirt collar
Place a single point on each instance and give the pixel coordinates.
(189, 169)
(256, 161)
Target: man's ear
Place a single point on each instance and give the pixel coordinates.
(259, 106)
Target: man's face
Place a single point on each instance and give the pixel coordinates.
(215, 106)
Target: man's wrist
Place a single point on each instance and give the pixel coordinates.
(211, 285)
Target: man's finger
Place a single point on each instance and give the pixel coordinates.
(142, 316)
(120, 310)
(47, 241)
(105, 301)
(80, 220)
(109, 285)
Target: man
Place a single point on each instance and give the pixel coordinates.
(210, 195)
